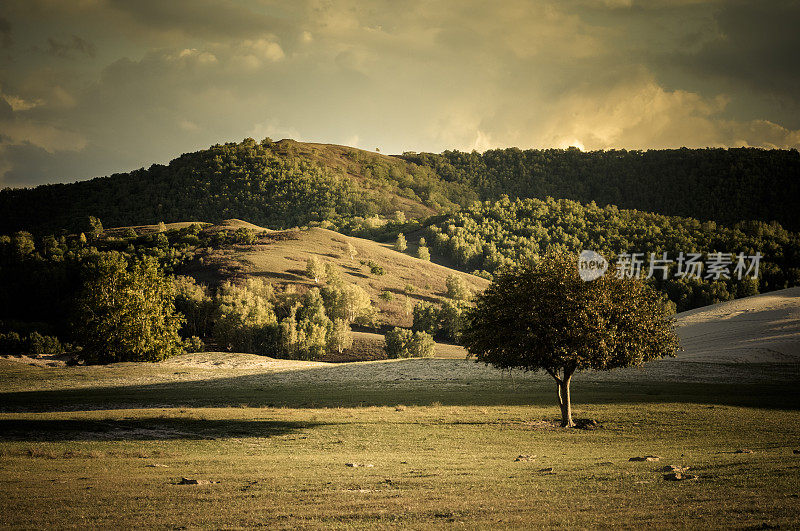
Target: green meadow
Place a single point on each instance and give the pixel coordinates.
(436, 443)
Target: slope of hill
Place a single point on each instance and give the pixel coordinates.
(491, 234)
(280, 257)
(274, 184)
(760, 329)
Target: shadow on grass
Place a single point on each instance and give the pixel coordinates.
(325, 387)
(143, 429)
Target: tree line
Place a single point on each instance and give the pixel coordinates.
(712, 184)
(123, 298)
(283, 184)
(492, 235)
(272, 184)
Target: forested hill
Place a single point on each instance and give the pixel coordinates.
(273, 184)
(490, 235)
(724, 185)
(287, 183)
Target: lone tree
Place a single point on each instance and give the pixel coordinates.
(400, 244)
(315, 269)
(544, 317)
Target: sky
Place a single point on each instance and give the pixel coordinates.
(93, 87)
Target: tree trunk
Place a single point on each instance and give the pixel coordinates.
(562, 390)
(565, 402)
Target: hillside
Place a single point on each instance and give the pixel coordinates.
(750, 340)
(713, 184)
(280, 257)
(286, 183)
(491, 234)
(760, 329)
(274, 184)
(235, 282)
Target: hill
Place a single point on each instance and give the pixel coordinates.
(237, 283)
(280, 257)
(723, 185)
(760, 329)
(274, 184)
(493, 234)
(286, 183)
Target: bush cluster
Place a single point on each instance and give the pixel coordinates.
(404, 343)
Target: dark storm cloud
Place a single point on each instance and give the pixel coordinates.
(6, 112)
(74, 44)
(5, 33)
(210, 19)
(28, 163)
(758, 46)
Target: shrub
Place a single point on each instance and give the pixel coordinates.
(195, 303)
(315, 270)
(403, 343)
(194, 344)
(386, 295)
(397, 341)
(245, 315)
(457, 289)
(422, 345)
(245, 236)
(39, 344)
(426, 318)
(340, 337)
(375, 269)
(349, 302)
(11, 343)
(400, 244)
(332, 273)
(451, 319)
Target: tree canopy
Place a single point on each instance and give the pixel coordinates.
(126, 312)
(491, 235)
(712, 184)
(544, 317)
(284, 184)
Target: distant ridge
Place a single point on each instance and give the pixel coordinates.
(287, 183)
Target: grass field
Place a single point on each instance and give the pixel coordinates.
(108, 446)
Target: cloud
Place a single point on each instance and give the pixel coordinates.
(631, 111)
(5, 33)
(757, 45)
(193, 56)
(171, 77)
(15, 103)
(274, 130)
(205, 19)
(74, 44)
(253, 53)
(23, 135)
(638, 113)
(47, 137)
